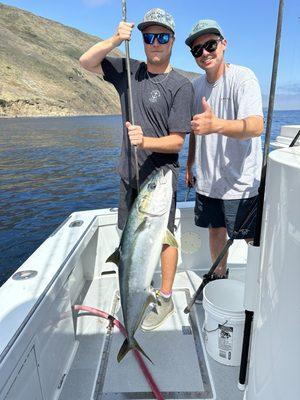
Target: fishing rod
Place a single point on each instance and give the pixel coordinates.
(295, 139)
(235, 235)
(261, 194)
(259, 203)
(130, 105)
(269, 124)
(189, 187)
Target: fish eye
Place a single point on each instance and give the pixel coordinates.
(152, 186)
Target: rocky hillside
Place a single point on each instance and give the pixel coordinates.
(40, 73)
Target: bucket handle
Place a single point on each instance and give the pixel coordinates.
(213, 330)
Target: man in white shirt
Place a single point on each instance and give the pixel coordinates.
(225, 145)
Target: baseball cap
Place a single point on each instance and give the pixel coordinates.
(157, 16)
(201, 28)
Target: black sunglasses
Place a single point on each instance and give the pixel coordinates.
(162, 38)
(210, 46)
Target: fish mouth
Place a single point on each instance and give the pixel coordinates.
(148, 212)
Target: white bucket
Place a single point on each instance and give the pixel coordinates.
(224, 320)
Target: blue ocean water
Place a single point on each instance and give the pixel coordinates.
(51, 167)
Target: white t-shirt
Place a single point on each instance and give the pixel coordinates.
(228, 168)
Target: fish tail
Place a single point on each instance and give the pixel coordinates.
(126, 347)
(138, 347)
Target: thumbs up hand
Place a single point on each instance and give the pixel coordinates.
(206, 122)
(205, 105)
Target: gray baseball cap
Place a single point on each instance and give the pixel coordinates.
(157, 16)
(203, 27)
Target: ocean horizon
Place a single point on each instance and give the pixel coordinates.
(53, 166)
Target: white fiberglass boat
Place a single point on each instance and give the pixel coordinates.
(49, 351)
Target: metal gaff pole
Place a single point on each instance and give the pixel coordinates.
(130, 110)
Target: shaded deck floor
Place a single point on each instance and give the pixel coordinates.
(182, 369)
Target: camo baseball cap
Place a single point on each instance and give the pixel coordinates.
(157, 16)
(203, 27)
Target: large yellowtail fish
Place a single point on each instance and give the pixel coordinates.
(139, 252)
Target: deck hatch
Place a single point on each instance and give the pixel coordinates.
(189, 379)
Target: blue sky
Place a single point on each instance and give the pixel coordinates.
(249, 27)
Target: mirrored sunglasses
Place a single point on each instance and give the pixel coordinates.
(210, 46)
(162, 38)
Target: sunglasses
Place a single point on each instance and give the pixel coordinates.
(210, 46)
(162, 38)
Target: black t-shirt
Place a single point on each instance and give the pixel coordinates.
(161, 104)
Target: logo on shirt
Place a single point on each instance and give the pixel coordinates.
(225, 98)
(154, 96)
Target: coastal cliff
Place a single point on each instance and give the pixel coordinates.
(40, 72)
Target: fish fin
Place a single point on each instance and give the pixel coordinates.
(142, 225)
(170, 239)
(150, 299)
(152, 296)
(138, 347)
(114, 257)
(123, 350)
(126, 347)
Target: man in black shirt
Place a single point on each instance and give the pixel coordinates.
(162, 107)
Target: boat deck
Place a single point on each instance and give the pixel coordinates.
(64, 355)
(181, 367)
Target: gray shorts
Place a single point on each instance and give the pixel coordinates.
(126, 199)
(229, 214)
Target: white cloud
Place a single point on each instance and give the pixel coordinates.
(290, 88)
(95, 3)
(287, 97)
